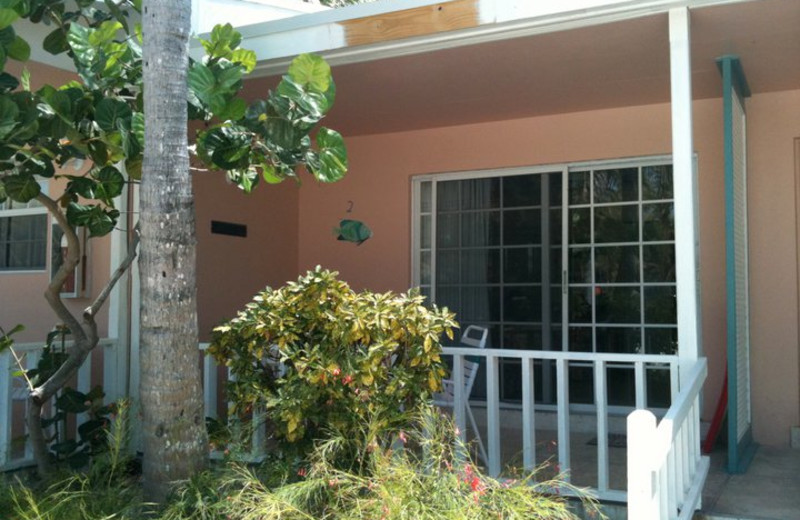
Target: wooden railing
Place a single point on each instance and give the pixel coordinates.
(666, 471)
(15, 450)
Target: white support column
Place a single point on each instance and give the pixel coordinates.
(5, 407)
(133, 351)
(115, 355)
(685, 191)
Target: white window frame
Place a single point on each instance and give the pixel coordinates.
(28, 211)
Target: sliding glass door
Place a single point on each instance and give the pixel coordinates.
(497, 248)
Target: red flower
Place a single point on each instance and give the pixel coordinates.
(475, 484)
(301, 472)
(347, 379)
(336, 371)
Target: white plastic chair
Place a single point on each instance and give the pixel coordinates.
(473, 336)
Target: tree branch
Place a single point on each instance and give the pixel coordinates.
(123, 267)
(53, 292)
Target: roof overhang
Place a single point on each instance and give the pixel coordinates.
(607, 56)
(393, 28)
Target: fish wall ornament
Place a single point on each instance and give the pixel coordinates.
(350, 230)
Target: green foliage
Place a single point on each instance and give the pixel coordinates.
(107, 490)
(346, 356)
(100, 117)
(426, 480)
(92, 432)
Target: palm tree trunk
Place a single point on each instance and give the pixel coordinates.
(174, 437)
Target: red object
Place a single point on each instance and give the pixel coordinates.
(719, 415)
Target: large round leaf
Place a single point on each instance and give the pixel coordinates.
(332, 156)
(21, 188)
(312, 71)
(109, 111)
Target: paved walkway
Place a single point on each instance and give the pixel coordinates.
(769, 490)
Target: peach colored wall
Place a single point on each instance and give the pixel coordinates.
(773, 123)
(230, 270)
(379, 186)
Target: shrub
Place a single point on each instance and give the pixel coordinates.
(428, 479)
(344, 356)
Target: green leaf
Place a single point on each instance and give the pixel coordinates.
(19, 49)
(133, 167)
(21, 188)
(7, 17)
(98, 151)
(104, 33)
(56, 42)
(78, 40)
(60, 102)
(234, 110)
(25, 78)
(92, 430)
(312, 71)
(3, 195)
(332, 155)
(137, 126)
(99, 222)
(65, 447)
(246, 58)
(270, 174)
(110, 183)
(227, 147)
(72, 401)
(110, 110)
(203, 85)
(8, 82)
(83, 186)
(79, 459)
(9, 111)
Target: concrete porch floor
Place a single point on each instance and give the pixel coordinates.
(769, 490)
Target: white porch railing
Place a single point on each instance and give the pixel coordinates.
(211, 398)
(666, 471)
(15, 449)
(683, 415)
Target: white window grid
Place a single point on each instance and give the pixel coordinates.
(426, 218)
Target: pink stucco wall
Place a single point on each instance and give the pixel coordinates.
(379, 186)
(773, 123)
(230, 270)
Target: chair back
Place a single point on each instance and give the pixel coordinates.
(473, 336)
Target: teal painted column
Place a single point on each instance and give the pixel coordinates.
(734, 89)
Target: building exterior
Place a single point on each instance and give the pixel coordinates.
(594, 177)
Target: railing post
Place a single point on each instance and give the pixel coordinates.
(5, 408)
(528, 416)
(643, 499)
(209, 384)
(459, 397)
(493, 415)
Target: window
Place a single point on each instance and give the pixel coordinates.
(497, 248)
(23, 236)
